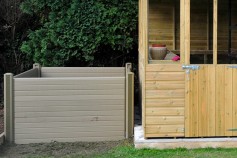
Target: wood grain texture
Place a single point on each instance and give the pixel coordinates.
(212, 106)
(164, 101)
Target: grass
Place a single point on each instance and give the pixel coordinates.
(128, 151)
(131, 152)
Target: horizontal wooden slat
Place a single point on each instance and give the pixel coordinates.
(164, 68)
(165, 129)
(164, 120)
(164, 85)
(157, 94)
(172, 111)
(180, 134)
(165, 76)
(165, 102)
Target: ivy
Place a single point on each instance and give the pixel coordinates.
(78, 29)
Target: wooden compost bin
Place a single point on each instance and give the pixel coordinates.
(69, 104)
(183, 99)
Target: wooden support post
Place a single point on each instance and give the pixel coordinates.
(38, 66)
(187, 32)
(129, 114)
(174, 26)
(8, 108)
(215, 22)
(182, 32)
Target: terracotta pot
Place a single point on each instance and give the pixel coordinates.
(158, 51)
(158, 45)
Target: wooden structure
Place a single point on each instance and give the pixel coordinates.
(48, 104)
(180, 99)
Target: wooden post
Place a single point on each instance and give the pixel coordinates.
(8, 108)
(129, 114)
(187, 32)
(38, 66)
(215, 22)
(182, 32)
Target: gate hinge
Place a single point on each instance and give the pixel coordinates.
(233, 66)
(191, 67)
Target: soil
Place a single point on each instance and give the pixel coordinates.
(55, 149)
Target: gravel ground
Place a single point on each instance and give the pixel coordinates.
(55, 149)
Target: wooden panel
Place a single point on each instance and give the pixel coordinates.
(234, 112)
(164, 101)
(59, 109)
(212, 106)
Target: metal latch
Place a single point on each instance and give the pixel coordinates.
(233, 66)
(191, 67)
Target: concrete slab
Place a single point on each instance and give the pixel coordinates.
(2, 138)
(189, 143)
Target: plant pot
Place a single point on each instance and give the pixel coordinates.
(158, 52)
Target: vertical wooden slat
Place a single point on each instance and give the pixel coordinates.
(187, 32)
(215, 26)
(220, 100)
(211, 102)
(234, 112)
(202, 104)
(194, 103)
(182, 32)
(228, 100)
(9, 108)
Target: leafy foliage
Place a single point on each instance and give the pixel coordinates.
(80, 30)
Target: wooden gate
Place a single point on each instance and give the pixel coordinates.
(211, 101)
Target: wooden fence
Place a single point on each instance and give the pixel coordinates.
(69, 104)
